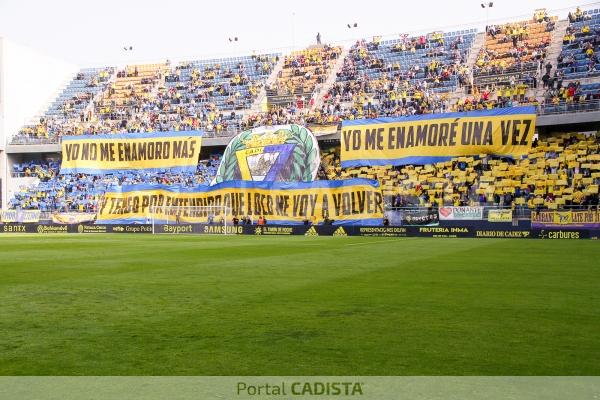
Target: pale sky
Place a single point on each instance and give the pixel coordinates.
(90, 33)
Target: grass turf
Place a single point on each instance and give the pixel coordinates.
(213, 305)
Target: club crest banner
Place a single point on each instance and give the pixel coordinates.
(151, 152)
(352, 201)
(431, 138)
(283, 153)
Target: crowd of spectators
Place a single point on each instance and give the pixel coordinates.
(579, 56)
(401, 77)
(203, 95)
(493, 96)
(303, 70)
(515, 47)
(82, 192)
(561, 170)
(395, 78)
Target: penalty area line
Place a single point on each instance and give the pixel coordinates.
(387, 240)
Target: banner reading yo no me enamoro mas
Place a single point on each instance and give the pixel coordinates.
(152, 151)
(430, 138)
(352, 201)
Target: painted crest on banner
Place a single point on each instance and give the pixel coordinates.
(285, 153)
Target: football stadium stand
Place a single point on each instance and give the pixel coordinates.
(205, 94)
(53, 191)
(513, 52)
(73, 104)
(511, 64)
(303, 70)
(579, 56)
(400, 76)
(143, 98)
(560, 170)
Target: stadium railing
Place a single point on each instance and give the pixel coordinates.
(567, 108)
(28, 140)
(518, 212)
(230, 131)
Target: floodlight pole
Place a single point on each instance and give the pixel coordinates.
(293, 30)
(487, 7)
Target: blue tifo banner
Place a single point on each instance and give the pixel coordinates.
(352, 201)
(150, 151)
(25, 216)
(431, 138)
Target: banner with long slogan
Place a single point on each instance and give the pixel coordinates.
(588, 219)
(352, 201)
(112, 153)
(431, 138)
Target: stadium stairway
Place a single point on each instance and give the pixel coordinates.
(257, 105)
(556, 40)
(554, 50)
(320, 94)
(475, 47)
(160, 83)
(477, 44)
(276, 69)
(98, 96)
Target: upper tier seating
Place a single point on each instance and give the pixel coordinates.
(156, 97)
(513, 51)
(581, 44)
(399, 77)
(72, 104)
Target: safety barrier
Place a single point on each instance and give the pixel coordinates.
(474, 229)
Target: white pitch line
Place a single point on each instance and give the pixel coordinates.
(374, 241)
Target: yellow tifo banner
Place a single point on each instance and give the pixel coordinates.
(151, 151)
(431, 138)
(352, 201)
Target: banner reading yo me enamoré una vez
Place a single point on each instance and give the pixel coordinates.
(430, 138)
(352, 201)
(150, 151)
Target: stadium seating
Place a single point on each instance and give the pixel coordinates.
(401, 76)
(303, 70)
(208, 92)
(579, 56)
(129, 91)
(155, 97)
(498, 97)
(39, 168)
(513, 52)
(572, 97)
(561, 170)
(81, 192)
(72, 104)
(398, 77)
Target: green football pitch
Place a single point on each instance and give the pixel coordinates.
(241, 305)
